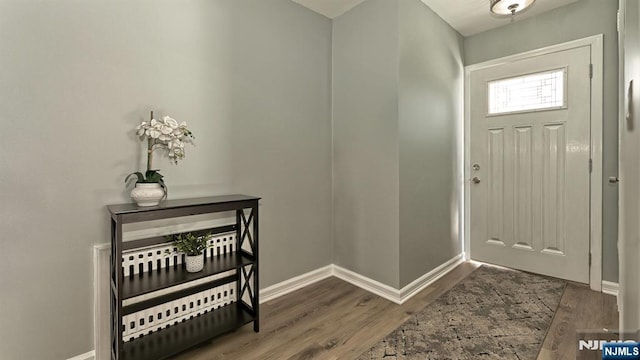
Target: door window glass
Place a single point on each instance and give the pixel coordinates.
(532, 92)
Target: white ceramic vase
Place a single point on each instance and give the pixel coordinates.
(195, 263)
(147, 194)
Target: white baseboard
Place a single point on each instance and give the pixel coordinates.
(391, 293)
(293, 284)
(610, 288)
(429, 278)
(363, 282)
(86, 356)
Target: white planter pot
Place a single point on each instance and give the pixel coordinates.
(147, 194)
(194, 263)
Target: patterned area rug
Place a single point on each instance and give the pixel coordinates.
(491, 314)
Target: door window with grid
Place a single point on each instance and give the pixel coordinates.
(533, 92)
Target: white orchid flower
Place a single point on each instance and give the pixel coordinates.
(170, 122)
(167, 134)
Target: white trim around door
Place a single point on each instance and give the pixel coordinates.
(596, 45)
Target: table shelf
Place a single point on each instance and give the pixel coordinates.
(140, 284)
(159, 291)
(171, 341)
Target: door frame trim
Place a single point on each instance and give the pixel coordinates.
(597, 55)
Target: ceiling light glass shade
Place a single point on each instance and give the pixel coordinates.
(509, 7)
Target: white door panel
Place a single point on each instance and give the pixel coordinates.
(530, 208)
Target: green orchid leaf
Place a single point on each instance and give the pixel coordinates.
(164, 188)
(138, 174)
(152, 176)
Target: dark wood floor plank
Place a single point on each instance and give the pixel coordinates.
(580, 309)
(332, 319)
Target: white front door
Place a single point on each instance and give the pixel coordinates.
(530, 164)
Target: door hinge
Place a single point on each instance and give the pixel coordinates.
(590, 71)
(589, 259)
(590, 166)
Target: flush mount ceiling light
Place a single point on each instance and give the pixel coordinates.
(509, 7)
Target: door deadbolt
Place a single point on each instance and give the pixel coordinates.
(476, 167)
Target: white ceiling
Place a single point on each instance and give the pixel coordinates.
(329, 8)
(472, 16)
(467, 16)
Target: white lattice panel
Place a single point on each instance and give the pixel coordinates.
(220, 245)
(161, 256)
(162, 316)
(164, 255)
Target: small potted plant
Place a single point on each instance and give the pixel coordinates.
(192, 246)
(165, 134)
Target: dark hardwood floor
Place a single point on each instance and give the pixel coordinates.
(332, 319)
(580, 309)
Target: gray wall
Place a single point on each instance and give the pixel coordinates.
(365, 140)
(582, 19)
(251, 78)
(397, 112)
(430, 117)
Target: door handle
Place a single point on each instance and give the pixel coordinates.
(614, 180)
(476, 180)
